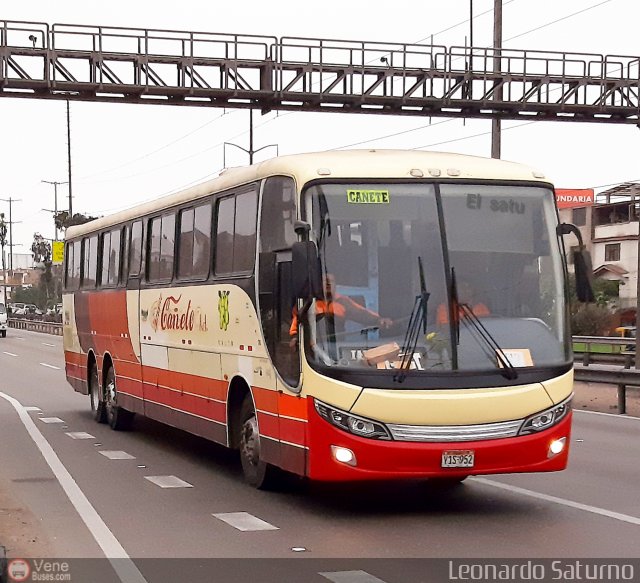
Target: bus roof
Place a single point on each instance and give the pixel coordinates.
(347, 164)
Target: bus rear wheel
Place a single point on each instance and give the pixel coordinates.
(257, 472)
(117, 417)
(97, 404)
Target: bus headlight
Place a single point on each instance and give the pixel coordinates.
(351, 423)
(545, 419)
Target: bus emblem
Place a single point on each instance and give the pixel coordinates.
(223, 309)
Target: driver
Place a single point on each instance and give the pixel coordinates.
(340, 307)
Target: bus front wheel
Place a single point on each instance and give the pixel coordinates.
(257, 472)
(117, 417)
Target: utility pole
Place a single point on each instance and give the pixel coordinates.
(55, 202)
(250, 151)
(11, 201)
(69, 160)
(3, 241)
(497, 68)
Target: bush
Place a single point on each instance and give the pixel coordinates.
(590, 320)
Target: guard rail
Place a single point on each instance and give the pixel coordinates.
(36, 326)
(621, 374)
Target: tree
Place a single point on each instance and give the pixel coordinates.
(63, 220)
(41, 250)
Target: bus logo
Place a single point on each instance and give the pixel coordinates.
(223, 309)
(18, 570)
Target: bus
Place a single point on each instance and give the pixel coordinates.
(320, 313)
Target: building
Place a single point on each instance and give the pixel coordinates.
(609, 227)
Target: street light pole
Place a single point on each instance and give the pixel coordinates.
(10, 201)
(55, 202)
(3, 241)
(496, 122)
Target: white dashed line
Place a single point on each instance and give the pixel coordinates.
(47, 344)
(244, 521)
(51, 420)
(351, 577)
(117, 455)
(564, 502)
(168, 482)
(111, 547)
(80, 435)
(32, 409)
(50, 366)
(9, 353)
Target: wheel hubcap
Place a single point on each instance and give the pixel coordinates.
(110, 397)
(250, 443)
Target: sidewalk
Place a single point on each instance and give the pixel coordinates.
(603, 398)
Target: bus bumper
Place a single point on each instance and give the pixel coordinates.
(388, 460)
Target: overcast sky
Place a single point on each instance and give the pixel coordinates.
(125, 154)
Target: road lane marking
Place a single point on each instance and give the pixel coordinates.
(80, 435)
(51, 420)
(9, 353)
(117, 455)
(168, 482)
(351, 577)
(32, 409)
(244, 521)
(50, 366)
(111, 547)
(563, 501)
(47, 344)
(615, 415)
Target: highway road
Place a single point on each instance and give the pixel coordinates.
(157, 493)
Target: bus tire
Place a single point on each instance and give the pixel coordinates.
(118, 418)
(97, 404)
(257, 472)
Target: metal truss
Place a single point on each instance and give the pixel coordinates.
(110, 64)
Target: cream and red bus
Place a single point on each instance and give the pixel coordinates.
(181, 310)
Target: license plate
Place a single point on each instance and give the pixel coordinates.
(460, 458)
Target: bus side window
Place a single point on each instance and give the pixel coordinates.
(90, 261)
(236, 233)
(135, 249)
(72, 266)
(124, 257)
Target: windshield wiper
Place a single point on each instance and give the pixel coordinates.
(481, 334)
(418, 316)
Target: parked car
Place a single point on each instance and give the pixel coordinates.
(628, 332)
(3, 320)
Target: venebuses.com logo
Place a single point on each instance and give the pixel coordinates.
(20, 570)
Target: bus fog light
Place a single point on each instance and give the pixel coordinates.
(557, 446)
(343, 455)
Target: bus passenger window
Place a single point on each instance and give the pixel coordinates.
(90, 261)
(135, 251)
(244, 242)
(195, 242)
(161, 248)
(106, 246)
(236, 233)
(113, 258)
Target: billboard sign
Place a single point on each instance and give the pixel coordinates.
(572, 198)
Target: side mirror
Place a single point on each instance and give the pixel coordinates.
(305, 265)
(582, 264)
(583, 270)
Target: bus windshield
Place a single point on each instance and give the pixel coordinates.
(438, 278)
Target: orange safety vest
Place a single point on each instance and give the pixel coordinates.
(478, 309)
(342, 307)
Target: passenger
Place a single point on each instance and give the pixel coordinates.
(342, 308)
